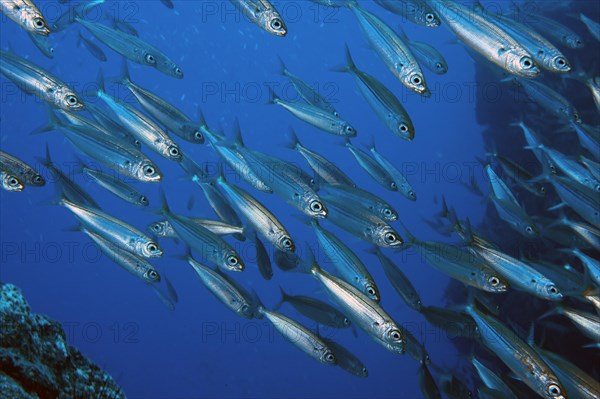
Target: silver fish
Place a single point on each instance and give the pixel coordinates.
(591, 264)
(132, 263)
(372, 167)
(263, 14)
(517, 355)
(132, 47)
(315, 309)
(230, 294)
(258, 216)
(398, 177)
(415, 11)
(25, 173)
(10, 182)
(347, 360)
(587, 323)
(33, 79)
(571, 168)
(92, 48)
(43, 44)
(486, 38)
(363, 199)
(117, 186)
(317, 117)
(114, 230)
(164, 229)
(172, 118)
(548, 99)
(26, 14)
(555, 31)
(382, 101)
(348, 265)
(582, 200)
(392, 50)
(492, 380)
(426, 55)
(326, 170)
(360, 223)
(519, 174)
(111, 125)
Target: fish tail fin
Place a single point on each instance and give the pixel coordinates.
(237, 133)
(370, 144)
(291, 140)
(284, 297)
(124, 78)
(201, 119)
(350, 65)
(282, 68)
(100, 82)
(273, 97)
(48, 160)
(164, 205)
(259, 307)
(52, 124)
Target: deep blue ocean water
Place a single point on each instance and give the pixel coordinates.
(202, 349)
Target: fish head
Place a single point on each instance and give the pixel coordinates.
(11, 183)
(141, 200)
(171, 151)
(346, 130)
(550, 387)
(313, 206)
(193, 133)
(35, 22)
(430, 19)
(327, 357)
(158, 229)
(232, 261)
(272, 22)
(573, 41)
(152, 276)
(386, 237)
(387, 213)
(146, 171)
(402, 127)
(560, 64)
(246, 311)
(440, 67)
(415, 80)
(370, 289)
(394, 338)
(37, 180)
(491, 281)
(149, 249)
(67, 99)
(547, 289)
(285, 243)
(520, 63)
(529, 229)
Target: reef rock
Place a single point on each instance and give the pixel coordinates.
(37, 362)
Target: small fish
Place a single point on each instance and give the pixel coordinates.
(212, 247)
(372, 167)
(347, 360)
(347, 264)
(129, 261)
(225, 289)
(263, 14)
(485, 37)
(399, 281)
(317, 117)
(519, 174)
(257, 216)
(508, 207)
(571, 168)
(326, 170)
(114, 230)
(455, 324)
(24, 173)
(593, 26)
(491, 379)
(26, 14)
(10, 182)
(111, 125)
(592, 166)
(517, 355)
(116, 186)
(65, 19)
(581, 199)
(426, 55)
(587, 323)
(168, 115)
(92, 48)
(32, 79)
(591, 264)
(381, 100)
(391, 49)
(307, 92)
(360, 223)
(548, 98)
(415, 11)
(398, 177)
(555, 31)
(360, 198)
(132, 47)
(164, 228)
(43, 44)
(315, 309)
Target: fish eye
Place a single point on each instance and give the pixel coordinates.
(387, 212)
(72, 100)
(143, 199)
(364, 370)
(178, 71)
(13, 181)
(37, 179)
(150, 59)
(346, 321)
(393, 185)
(416, 79)
(152, 247)
(578, 42)
(552, 290)
(149, 170)
(403, 128)
(174, 151)
(349, 129)
(330, 357)
(412, 194)
(390, 238)
(39, 23)
(561, 62)
(371, 291)
(153, 274)
(395, 335)
(232, 260)
(554, 390)
(316, 206)
(276, 24)
(494, 281)
(529, 229)
(335, 113)
(156, 227)
(429, 17)
(526, 62)
(198, 135)
(287, 242)
(543, 190)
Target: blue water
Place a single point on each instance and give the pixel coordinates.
(202, 349)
